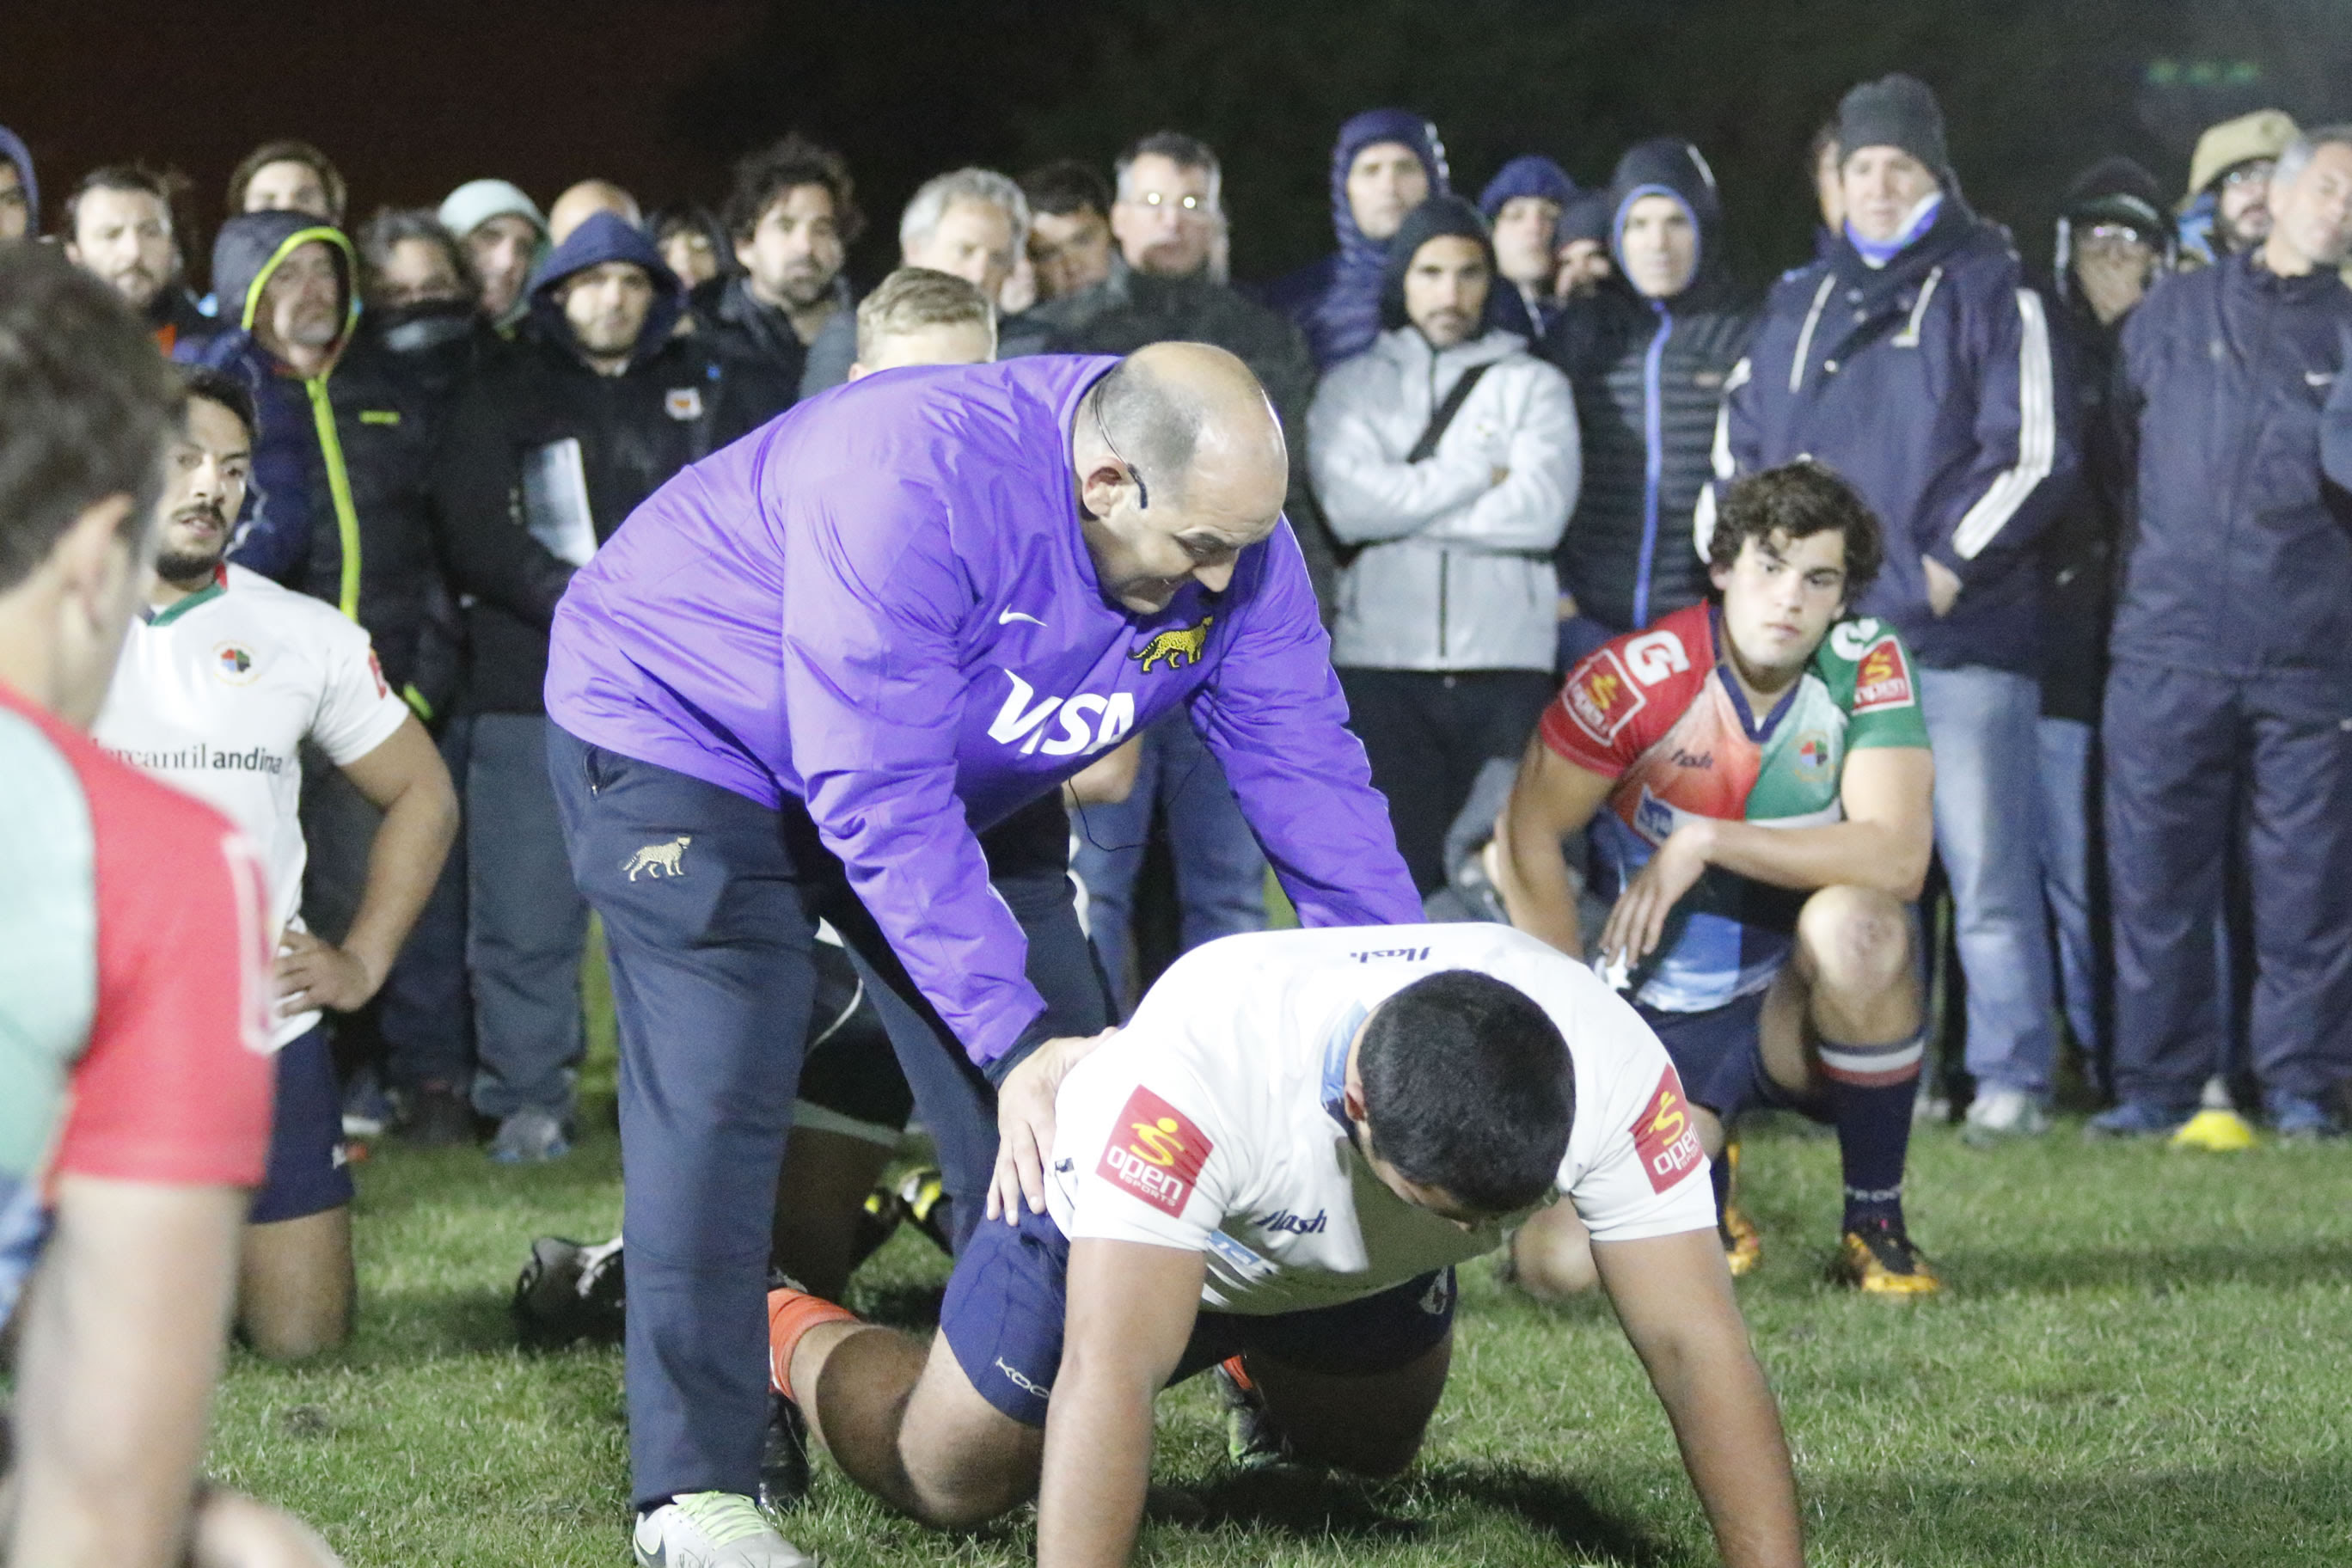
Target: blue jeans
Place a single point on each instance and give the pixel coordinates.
(2066, 819)
(1983, 725)
(1220, 869)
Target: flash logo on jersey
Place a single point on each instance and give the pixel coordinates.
(1155, 1152)
(1602, 697)
(1882, 679)
(1663, 1137)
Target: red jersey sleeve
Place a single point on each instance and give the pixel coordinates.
(176, 1085)
(1629, 692)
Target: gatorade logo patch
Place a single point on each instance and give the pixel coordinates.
(1602, 697)
(1154, 1152)
(1882, 679)
(1664, 1137)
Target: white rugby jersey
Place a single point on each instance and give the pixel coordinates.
(216, 694)
(1212, 1122)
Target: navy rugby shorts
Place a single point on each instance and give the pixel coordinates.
(307, 1174)
(1719, 1056)
(1002, 1319)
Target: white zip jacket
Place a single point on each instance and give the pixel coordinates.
(1457, 570)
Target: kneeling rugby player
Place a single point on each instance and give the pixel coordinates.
(1276, 1167)
(1757, 778)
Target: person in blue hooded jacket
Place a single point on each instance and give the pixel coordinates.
(1522, 205)
(1648, 352)
(1387, 161)
(554, 443)
(20, 192)
(1913, 359)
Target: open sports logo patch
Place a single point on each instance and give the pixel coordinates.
(1883, 679)
(1154, 1152)
(1602, 697)
(1664, 1137)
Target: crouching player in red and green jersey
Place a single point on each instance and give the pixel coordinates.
(1756, 775)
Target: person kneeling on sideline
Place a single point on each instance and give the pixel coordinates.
(1757, 775)
(1273, 1171)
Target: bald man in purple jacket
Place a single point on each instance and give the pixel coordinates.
(798, 682)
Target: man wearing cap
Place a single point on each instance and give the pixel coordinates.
(1912, 359)
(1522, 205)
(2232, 679)
(503, 231)
(2113, 241)
(2227, 210)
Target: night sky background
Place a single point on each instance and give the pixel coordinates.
(410, 100)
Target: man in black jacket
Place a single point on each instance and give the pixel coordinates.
(2111, 246)
(1647, 352)
(791, 217)
(552, 446)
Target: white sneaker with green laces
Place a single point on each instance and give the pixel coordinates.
(713, 1530)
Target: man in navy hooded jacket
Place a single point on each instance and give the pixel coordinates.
(1387, 162)
(1648, 352)
(2230, 678)
(555, 442)
(1912, 359)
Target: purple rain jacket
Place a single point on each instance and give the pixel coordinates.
(880, 604)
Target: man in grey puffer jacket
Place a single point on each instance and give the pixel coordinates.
(1445, 635)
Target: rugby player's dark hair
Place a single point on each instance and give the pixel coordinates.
(1468, 1089)
(1798, 499)
(219, 387)
(764, 177)
(86, 403)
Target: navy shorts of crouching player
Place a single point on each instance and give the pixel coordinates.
(1272, 1171)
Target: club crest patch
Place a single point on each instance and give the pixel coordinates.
(1154, 1152)
(683, 403)
(235, 663)
(1664, 1139)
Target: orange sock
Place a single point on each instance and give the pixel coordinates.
(791, 1314)
(1239, 1373)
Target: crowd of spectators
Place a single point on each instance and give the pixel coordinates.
(2108, 469)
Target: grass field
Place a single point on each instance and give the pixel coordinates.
(2142, 1358)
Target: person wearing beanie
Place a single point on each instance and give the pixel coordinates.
(1386, 162)
(20, 192)
(1647, 351)
(2227, 209)
(2113, 241)
(504, 232)
(1912, 359)
(1581, 258)
(1448, 457)
(1522, 205)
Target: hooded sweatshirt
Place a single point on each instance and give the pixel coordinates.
(1649, 377)
(537, 420)
(881, 607)
(1337, 300)
(1454, 571)
(13, 148)
(1526, 311)
(337, 507)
